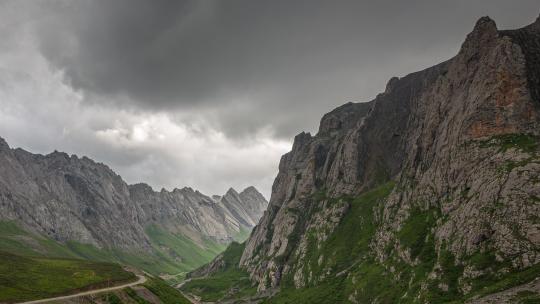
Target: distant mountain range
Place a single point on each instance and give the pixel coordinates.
(85, 206)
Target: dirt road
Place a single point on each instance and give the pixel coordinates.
(141, 280)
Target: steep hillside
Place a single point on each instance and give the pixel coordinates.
(24, 278)
(89, 210)
(427, 194)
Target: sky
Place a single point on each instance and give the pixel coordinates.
(210, 94)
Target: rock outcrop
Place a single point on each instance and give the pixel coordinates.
(459, 145)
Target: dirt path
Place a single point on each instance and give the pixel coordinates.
(141, 280)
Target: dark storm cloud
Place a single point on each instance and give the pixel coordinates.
(255, 64)
(209, 93)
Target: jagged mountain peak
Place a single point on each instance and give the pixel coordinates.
(485, 23)
(251, 190)
(341, 119)
(247, 207)
(58, 154)
(301, 139)
(141, 187)
(3, 144)
(481, 37)
(391, 84)
(231, 191)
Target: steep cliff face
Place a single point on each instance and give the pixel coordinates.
(434, 185)
(68, 198)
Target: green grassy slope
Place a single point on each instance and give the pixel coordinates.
(231, 282)
(153, 286)
(15, 240)
(166, 293)
(34, 267)
(182, 252)
(171, 254)
(242, 235)
(28, 278)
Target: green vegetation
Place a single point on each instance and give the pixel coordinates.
(242, 235)
(523, 142)
(350, 240)
(346, 249)
(180, 254)
(416, 233)
(166, 293)
(34, 257)
(229, 282)
(28, 278)
(171, 254)
(482, 260)
(111, 298)
(527, 297)
(370, 281)
(135, 297)
(510, 165)
(448, 275)
(495, 279)
(150, 262)
(327, 292)
(15, 240)
(343, 264)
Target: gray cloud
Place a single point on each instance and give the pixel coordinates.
(225, 83)
(253, 59)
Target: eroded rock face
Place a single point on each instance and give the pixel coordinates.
(460, 138)
(71, 198)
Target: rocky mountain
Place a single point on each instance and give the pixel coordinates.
(72, 199)
(193, 213)
(429, 193)
(247, 206)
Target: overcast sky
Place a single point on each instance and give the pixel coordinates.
(210, 94)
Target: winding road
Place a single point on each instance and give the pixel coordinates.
(141, 280)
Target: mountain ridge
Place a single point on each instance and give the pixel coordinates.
(67, 198)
